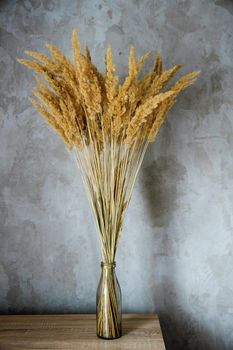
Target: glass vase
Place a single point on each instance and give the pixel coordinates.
(108, 303)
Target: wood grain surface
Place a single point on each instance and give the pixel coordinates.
(140, 331)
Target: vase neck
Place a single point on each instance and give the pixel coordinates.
(107, 265)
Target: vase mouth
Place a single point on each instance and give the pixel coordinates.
(108, 264)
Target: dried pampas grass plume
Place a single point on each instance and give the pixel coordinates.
(83, 105)
(107, 124)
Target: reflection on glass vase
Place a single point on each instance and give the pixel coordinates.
(108, 303)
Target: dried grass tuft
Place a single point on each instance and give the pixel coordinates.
(108, 125)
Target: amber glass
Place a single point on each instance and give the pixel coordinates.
(108, 303)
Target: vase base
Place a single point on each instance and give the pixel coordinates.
(99, 336)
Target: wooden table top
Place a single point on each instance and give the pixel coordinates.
(24, 332)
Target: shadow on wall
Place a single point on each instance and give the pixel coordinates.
(181, 330)
(184, 332)
(160, 179)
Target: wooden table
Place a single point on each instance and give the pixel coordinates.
(24, 332)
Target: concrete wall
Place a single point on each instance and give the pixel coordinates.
(175, 255)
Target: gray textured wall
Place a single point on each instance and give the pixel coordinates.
(175, 255)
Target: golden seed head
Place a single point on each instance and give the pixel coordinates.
(83, 105)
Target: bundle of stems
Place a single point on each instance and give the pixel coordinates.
(107, 125)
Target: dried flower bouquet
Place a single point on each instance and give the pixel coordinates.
(108, 126)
